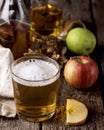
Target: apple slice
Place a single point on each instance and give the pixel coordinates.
(76, 112)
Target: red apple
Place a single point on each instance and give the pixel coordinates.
(81, 72)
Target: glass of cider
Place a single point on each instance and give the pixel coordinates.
(46, 19)
(35, 83)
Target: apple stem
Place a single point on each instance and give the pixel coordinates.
(77, 58)
(86, 55)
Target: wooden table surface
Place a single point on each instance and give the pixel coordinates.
(89, 12)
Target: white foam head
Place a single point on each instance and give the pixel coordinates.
(35, 72)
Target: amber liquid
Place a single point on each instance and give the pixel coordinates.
(15, 36)
(46, 20)
(35, 103)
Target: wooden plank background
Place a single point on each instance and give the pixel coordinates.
(90, 12)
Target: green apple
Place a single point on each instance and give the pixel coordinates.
(81, 41)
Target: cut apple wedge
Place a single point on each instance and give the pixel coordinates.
(76, 112)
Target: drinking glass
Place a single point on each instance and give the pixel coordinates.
(35, 82)
(46, 18)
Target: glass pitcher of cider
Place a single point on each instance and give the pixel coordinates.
(46, 18)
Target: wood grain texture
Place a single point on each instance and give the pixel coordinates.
(90, 97)
(17, 124)
(98, 10)
(81, 10)
(78, 10)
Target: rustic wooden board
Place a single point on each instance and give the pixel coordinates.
(91, 98)
(79, 10)
(17, 124)
(99, 24)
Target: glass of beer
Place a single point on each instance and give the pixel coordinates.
(35, 83)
